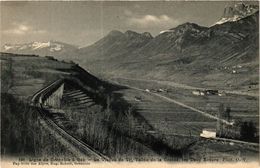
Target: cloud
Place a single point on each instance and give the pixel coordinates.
(151, 20)
(22, 29)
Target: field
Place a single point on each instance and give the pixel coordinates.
(168, 118)
(175, 121)
(243, 107)
(28, 74)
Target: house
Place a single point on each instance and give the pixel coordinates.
(212, 92)
(160, 90)
(221, 93)
(198, 92)
(209, 133)
(137, 98)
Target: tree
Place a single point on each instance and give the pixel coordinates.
(108, 103)
(7, 76)
(219, 122)
(248, 131)
(227, 113)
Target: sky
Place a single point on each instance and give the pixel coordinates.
(84, 23)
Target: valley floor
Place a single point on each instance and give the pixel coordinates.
(174, 111)
(155, 120)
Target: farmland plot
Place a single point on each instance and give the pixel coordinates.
(168, 118)
(182, 125)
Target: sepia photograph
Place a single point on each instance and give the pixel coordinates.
(143, 83)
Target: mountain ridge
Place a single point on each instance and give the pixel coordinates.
(49, 48)
(189, 51)
(236, 12)
(186, 52)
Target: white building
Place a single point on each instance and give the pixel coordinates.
(198, 93)
(147, 90)
(209, 133)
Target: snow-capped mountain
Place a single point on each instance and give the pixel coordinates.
(53, 48)
(237, 12)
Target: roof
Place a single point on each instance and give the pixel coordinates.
(209, 129)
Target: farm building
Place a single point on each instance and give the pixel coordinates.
(211, 92)
(198, 92)
(147, 90)
(209, 133)
(207, 92)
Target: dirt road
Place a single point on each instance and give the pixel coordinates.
(184, 86)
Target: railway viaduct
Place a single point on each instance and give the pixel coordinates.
(53, 99)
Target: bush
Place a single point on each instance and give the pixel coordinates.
(19, 127)
(22, 134)
(51, 58)
(248, 131)
(242, 130)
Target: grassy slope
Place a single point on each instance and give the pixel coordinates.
(31, 73)
(21, 77)
(21, 133)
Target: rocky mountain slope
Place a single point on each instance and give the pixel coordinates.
(116, 44)
(224, 55)
(237, 12)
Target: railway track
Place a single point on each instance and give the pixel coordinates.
(36, 96)
(250, 144)
(83, 148)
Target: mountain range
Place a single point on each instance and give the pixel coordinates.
(224, 55)
(53, 48)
